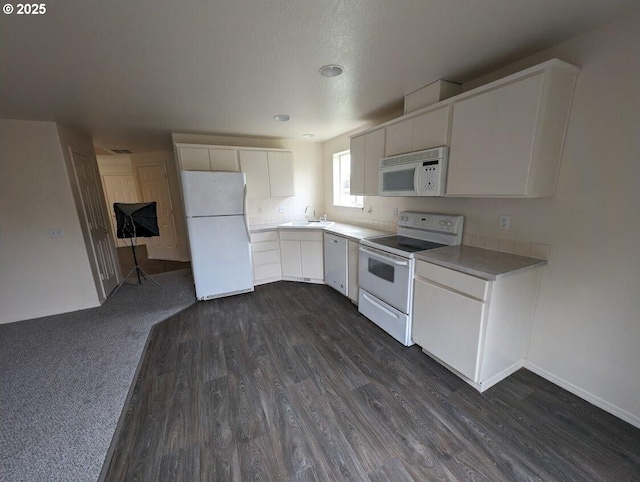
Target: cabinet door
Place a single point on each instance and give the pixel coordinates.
(194, 159)
(291, 258)
(373, 152)
(352, 291)
(281, 173)
(312, 259)
(256, 167)
(223, 159)
(449, 326)
(399, 138)
(431, 129)
(492, 140)
(357, 152)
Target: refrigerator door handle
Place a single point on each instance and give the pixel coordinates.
(244, 213)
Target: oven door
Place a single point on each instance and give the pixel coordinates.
(385, 276)
(400, 180)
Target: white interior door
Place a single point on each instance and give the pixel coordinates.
(119, 189)
(155, 187)
(96, 220)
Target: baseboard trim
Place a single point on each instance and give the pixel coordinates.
(589, 397)
(499, 376)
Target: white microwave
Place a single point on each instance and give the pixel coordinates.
(421, 173)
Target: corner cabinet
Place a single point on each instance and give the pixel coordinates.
(269, 173)
(366, 152)
(507, 137)
(301, 255)
(477, 328)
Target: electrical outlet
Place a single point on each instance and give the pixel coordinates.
(504, 222)
(281, 209)
(55, 232)
(370, 210)
(395, 212)
(259, 209)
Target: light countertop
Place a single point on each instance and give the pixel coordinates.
(482, 263)
(350, 231)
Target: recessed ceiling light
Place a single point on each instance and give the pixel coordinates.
(307, 136)
(282, 117)
(331, 70)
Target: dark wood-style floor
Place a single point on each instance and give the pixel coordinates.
(291, 383)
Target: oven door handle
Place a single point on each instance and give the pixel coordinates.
(379, 306)
(381, 257)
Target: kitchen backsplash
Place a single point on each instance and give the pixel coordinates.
(504, 245)
(507, 245)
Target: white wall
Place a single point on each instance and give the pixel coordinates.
(308, 176)
(39, 275)
(586, 333)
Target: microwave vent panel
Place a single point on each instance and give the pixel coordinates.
(435, 153)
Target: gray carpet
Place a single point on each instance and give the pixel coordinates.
(64, 380)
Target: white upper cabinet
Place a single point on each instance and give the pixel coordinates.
(356, 183)
(507, 140)
(223, 159)
(280, 173)
(194, 157)
(269, 173)
(255, 165)
(366, 151)
(430, 129)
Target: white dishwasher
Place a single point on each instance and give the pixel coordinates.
(336, 267)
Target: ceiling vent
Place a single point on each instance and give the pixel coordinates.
(121, 151)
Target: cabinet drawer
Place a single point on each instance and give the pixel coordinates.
(307, 235)
(264, 236)
(464, 283)
(266, 257)
(265, 246)
(267, 271)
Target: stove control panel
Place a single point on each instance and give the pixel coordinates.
(444, 224)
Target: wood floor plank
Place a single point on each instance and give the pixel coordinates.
(290, 382)
(219, 455)
(283, 429)
(182, 428)
(328, 445)
(182, 465)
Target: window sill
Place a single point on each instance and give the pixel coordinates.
(348, 206)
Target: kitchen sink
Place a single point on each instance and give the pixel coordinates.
(307, 224)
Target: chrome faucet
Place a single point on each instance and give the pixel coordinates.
(313, 218)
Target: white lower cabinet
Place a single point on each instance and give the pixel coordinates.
(265, 249)
(479, 329)
(301, 255)
(352, 291)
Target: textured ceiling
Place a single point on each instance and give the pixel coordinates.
(132, 72)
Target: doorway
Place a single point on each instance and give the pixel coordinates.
(154, 186)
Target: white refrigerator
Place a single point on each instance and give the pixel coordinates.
(216, 209)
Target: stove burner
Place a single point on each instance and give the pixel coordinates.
(406, 244)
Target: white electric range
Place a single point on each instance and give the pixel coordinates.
(387, 266)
